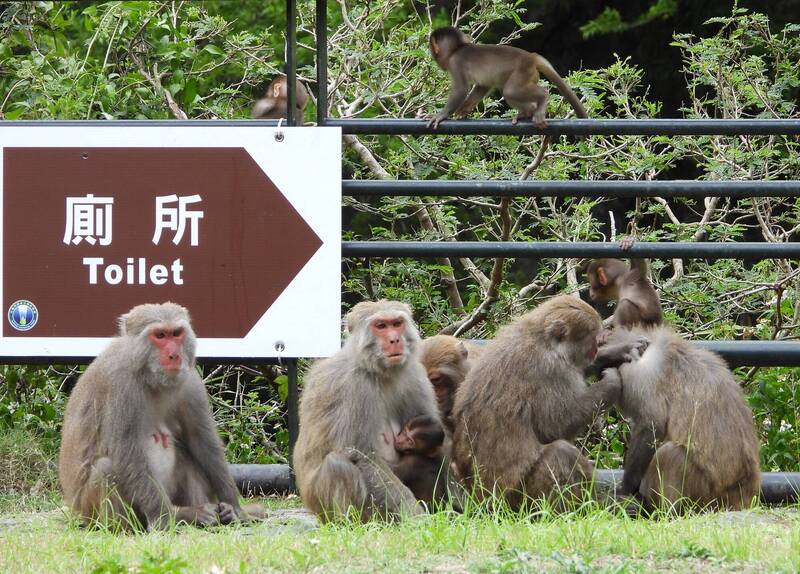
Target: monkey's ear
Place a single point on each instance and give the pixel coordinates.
(467, 39)
(276, 90)
(557, 329)
(601, 276)
(434, 47)
(462, 348)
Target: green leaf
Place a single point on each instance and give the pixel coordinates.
(212, 49)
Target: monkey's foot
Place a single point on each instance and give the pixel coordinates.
(203, 515)
(227, 513)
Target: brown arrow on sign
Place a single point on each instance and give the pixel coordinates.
(251, 242)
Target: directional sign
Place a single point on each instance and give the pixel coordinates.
(240, 226)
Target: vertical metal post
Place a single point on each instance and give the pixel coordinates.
(322, 61)
(291, 62)
(291, 406)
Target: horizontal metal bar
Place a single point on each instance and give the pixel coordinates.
(574, 127)
(752, 353)
(744, 353)
(569, 249)
(755, 353)
(570, 188)
(477, 127)
(85, 360)
(260, 479)
(776, 487)
(142, 123)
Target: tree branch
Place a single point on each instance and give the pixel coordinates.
(448, 278)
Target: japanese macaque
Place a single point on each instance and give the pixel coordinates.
(485, 66)
(447, 361)
(139, 447)
(693, 440)
(273, 105)
(350, 403)
(525, 399)
(637, 300)
(422, 466)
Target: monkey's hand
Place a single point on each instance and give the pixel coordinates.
(626, 243)
(638, 347)
(604, 336)
(434, 121)
(617, 346)
(612, 382)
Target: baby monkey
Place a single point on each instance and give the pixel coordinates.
(485, 66)
(421, 466)
(637, 300)
(274, 104)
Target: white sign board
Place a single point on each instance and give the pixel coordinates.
(240, 224)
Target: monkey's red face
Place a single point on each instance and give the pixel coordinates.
(168, 343)
(390, 333)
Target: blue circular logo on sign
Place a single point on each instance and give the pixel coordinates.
(23, 315)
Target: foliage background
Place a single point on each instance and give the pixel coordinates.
(163, 60)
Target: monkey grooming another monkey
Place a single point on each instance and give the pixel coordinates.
(351, 402)
(693, 439)
(139, 446)
(422, 465)
(485, 66)
(273, 105)
(525, 399)
(637, 300)
(447, 361)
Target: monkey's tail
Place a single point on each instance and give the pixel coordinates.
(546, 69)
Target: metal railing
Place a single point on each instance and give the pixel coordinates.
(778, 487)
(755, 353)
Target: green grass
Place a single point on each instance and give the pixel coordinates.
(38, 535)
(763, 540)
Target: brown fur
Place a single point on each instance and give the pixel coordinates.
(525, 399)
(112, 465)
(273, 105)
(422, 466)
(692, 432)
(484, 66)
(350, 403)
(447, 361)
(637, 300)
